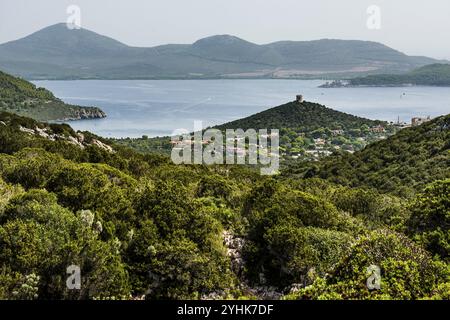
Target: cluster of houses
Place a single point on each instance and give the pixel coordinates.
(323, 148)
(415, 121)
(320, 144)
(239, 144)
(377, 129)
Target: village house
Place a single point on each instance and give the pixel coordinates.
(417, 121)
(237, 151)
(348, 148)
(377, 129)
(337, 132)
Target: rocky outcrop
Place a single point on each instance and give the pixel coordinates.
(234, 247)
(26, 130)
(84, 113)
(102, 145)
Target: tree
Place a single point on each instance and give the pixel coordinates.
(37, 236)
(429, 223)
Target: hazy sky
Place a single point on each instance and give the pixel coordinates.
(416, 27)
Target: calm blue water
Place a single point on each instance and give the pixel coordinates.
(152, 107)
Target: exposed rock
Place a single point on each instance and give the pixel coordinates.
(234, 247)
(26, 130)
(78, 140)
(44, 133)
(296, 287)
(218, 295)
(80, 137)
(75, 141)
(86, 113)
(266, 293)
(102, 145)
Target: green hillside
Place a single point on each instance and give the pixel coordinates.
(430, 75)
(23, 98)
(140, 227)
(403, 164)
(17, 88)
(303, 126)
(56, 52)
(306, 116)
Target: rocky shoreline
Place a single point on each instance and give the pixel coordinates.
(85, 113)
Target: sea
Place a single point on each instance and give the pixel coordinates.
(160, 107)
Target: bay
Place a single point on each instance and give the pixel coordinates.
(158, 107)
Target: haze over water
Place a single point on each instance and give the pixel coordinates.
(158, 107)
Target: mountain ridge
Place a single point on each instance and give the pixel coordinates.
(56, 52)
(306, 115)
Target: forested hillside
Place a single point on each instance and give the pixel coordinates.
(305, 116)
(139, 226)
(23, 98)
(402, 164)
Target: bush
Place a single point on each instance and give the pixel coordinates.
(298, 253)
(37, 236)
(407, 271)
(429, 224)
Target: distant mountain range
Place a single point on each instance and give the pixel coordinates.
(307, 116)
(403, 162)
(57, 52)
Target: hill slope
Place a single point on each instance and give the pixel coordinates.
(430, 75)
(205, 232)
(23, 98)
(306, 116)
(403, 163)
(57, 52)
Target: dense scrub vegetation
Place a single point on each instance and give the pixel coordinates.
(138, 225)
(24, 98)
(158, 145)
(57, 52)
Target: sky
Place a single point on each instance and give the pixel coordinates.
(415, 27)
